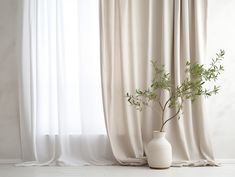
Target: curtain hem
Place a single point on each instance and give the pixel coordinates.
(196, 163)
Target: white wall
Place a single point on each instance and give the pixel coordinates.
(9, 122)
(221, 108)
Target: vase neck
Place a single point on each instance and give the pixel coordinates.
(158, 134)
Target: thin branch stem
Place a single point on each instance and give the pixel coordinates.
(172, 117)
(163, 112)
(164, 108)
(166, 104)
(160, 104)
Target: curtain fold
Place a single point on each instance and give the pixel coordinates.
(61, 115)
(134, 32)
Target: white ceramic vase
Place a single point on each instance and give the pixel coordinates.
(159, 151)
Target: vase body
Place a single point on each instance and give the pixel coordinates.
(159, 151)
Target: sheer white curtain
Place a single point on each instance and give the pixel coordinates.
(61, 113)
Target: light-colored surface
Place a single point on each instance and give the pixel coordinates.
(9, 123)
(159, 151)
(116, 171)
(61, 99)
(132, 34)
(221, 108)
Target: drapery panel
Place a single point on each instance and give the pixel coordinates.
(61, 114)
(134, 32)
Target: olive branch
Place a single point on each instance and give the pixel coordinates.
(193, 86)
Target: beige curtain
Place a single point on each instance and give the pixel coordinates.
(134, 32)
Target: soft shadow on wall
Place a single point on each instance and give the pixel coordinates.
(9, 118)
(221, 108)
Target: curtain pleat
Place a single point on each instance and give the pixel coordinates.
(134, 32)
(61, 115)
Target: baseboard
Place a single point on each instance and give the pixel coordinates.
(10, 161)
(226, 161)
(13, 161)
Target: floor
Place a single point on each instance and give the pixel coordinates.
(227, 170)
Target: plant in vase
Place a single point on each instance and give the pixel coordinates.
(193, 86)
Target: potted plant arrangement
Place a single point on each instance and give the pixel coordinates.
(196, 77)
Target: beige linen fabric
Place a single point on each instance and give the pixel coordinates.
(134, 32)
